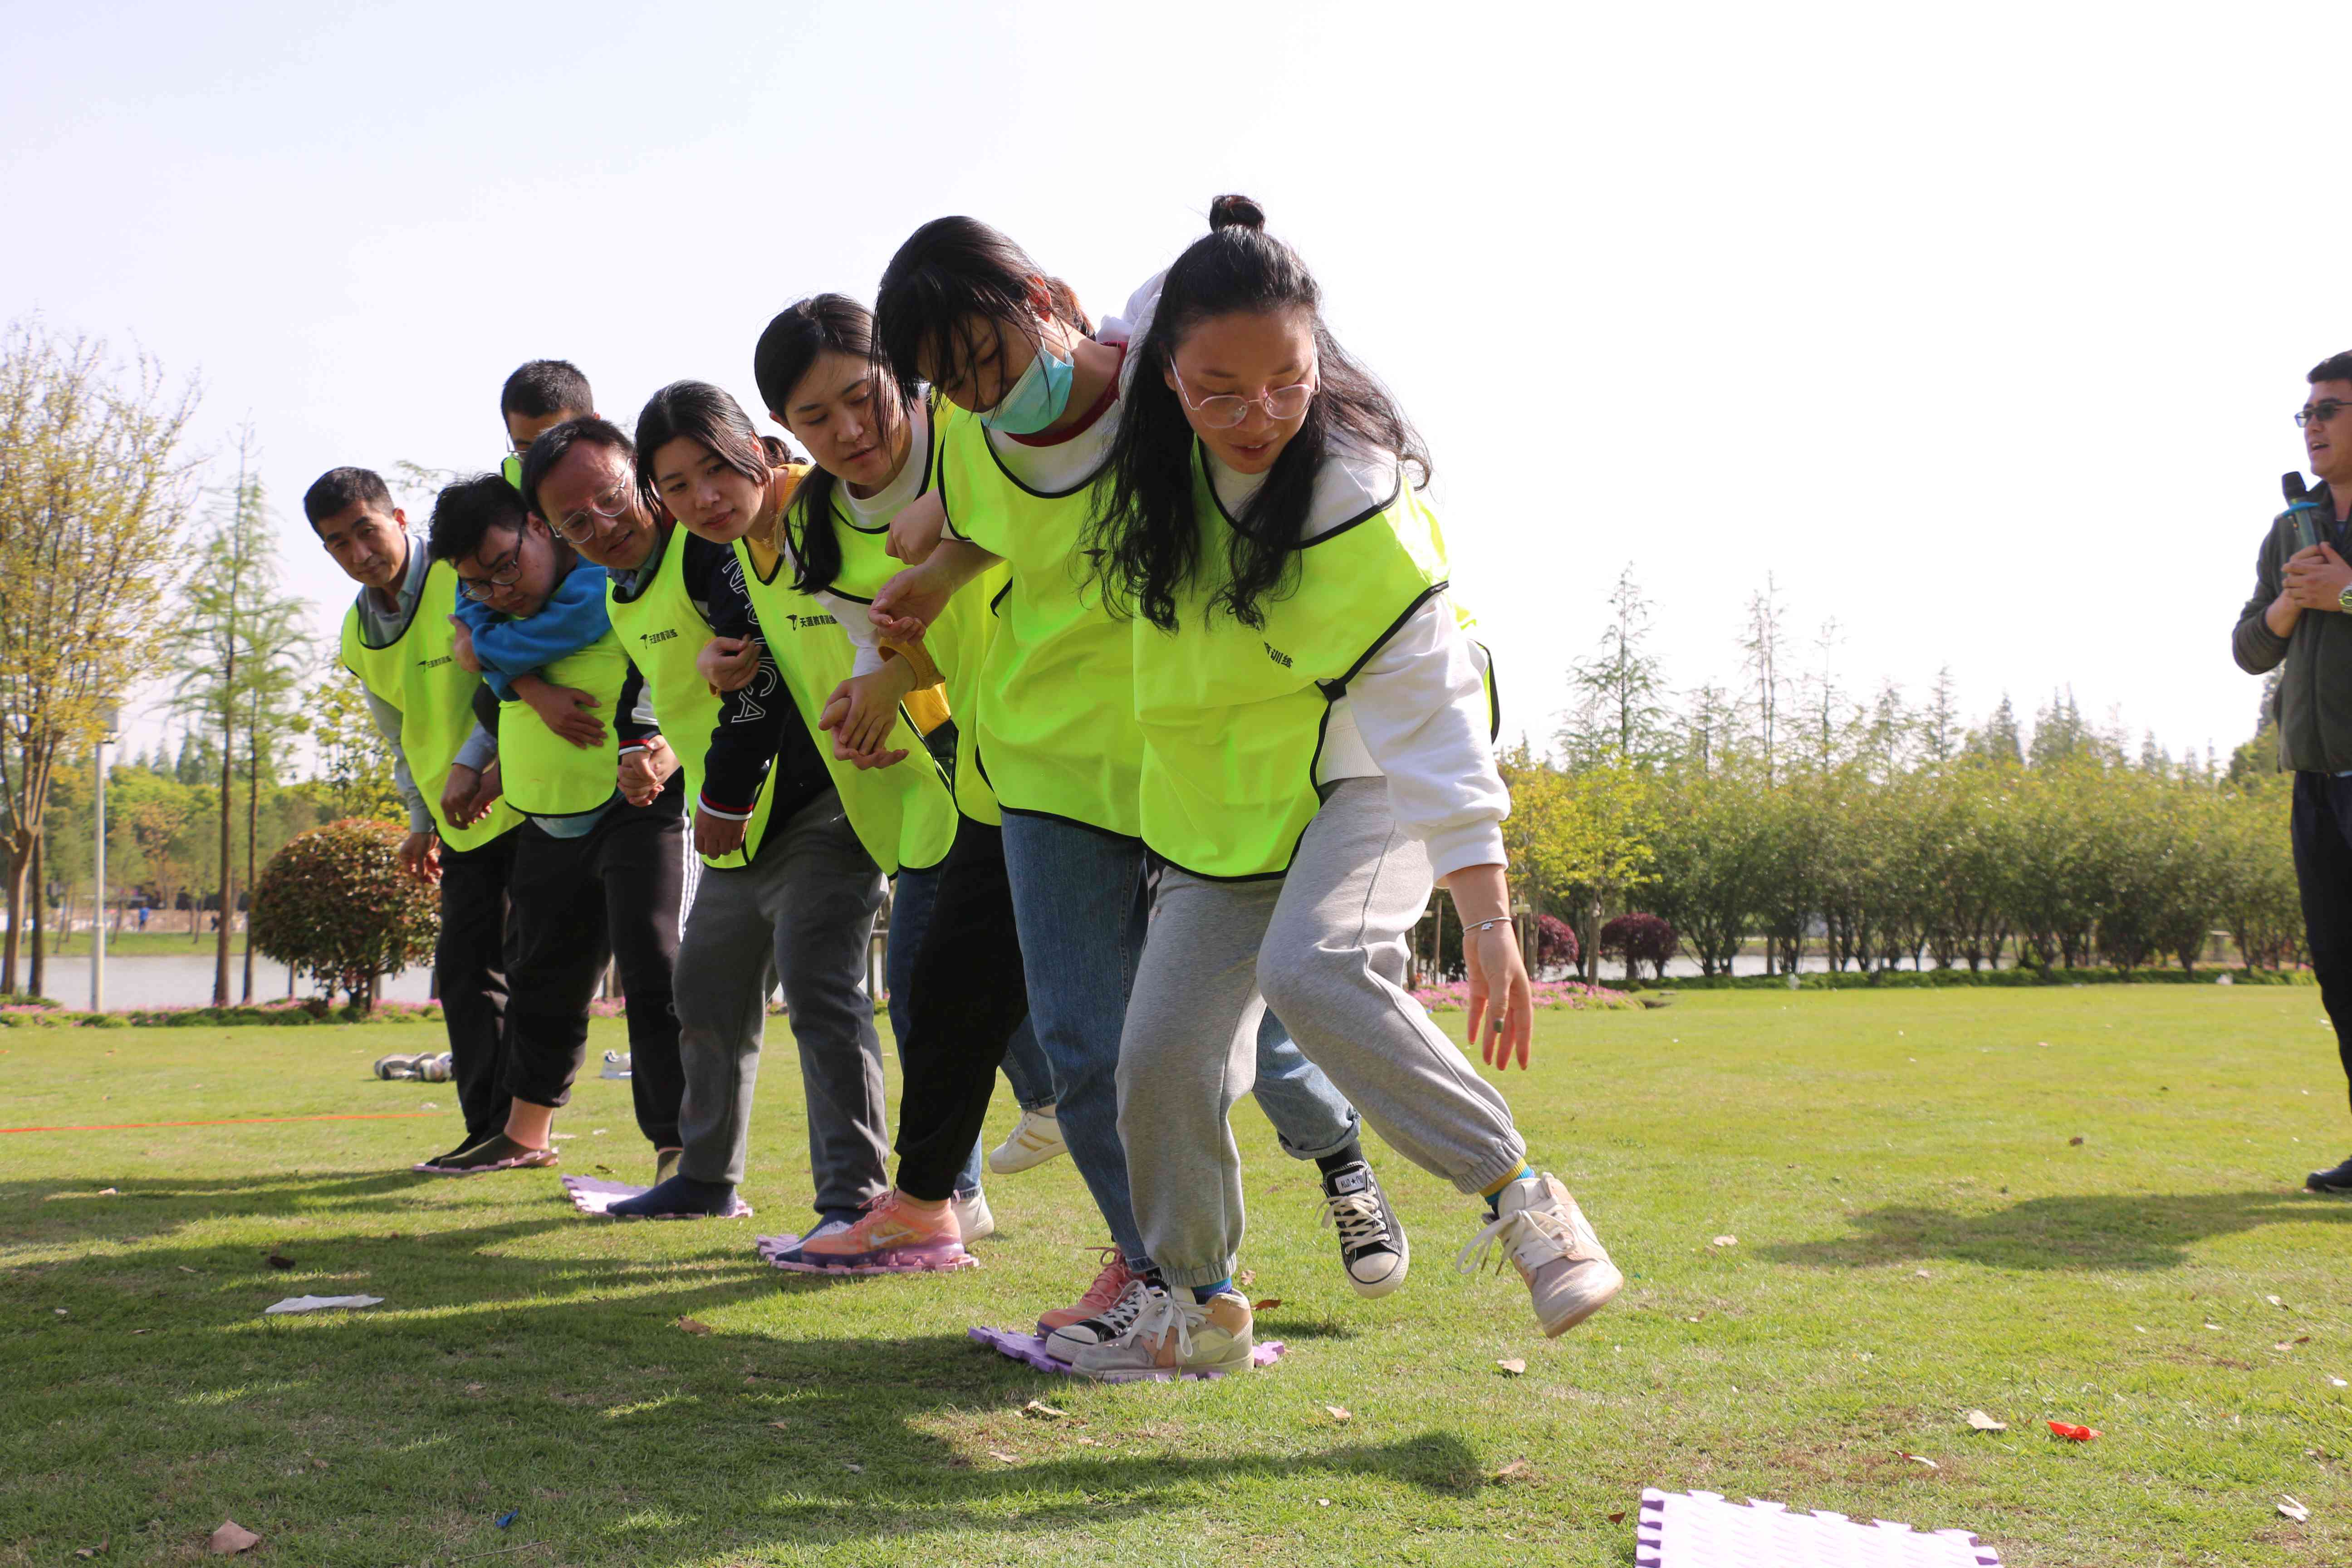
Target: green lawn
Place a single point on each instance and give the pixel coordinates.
(1918, 1234)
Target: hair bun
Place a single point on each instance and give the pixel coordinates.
(1236, 212)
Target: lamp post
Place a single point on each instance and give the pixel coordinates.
(107, 714)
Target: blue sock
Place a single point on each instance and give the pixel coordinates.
(1495, 1198)
(1214, 1287)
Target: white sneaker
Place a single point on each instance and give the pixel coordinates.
(1064, 1342)
(973, 1217)
(1545, 1234)
(1173, 1335)
(1034, 1140)
(616, 1065)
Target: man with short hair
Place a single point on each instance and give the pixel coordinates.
(397, 640)
(595, 876)
(2301, 616)
(540, 395)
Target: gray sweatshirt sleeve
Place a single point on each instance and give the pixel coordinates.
(2256, 647)
(480, 750)
(387, 724)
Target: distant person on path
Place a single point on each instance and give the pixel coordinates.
(2301, 616)
(397, 640)
(595, 877)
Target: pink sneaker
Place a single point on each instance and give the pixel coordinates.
(893, 1236)
(1101, 1295)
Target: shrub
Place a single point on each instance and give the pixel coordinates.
(333, 902)
(1555, 943)
(1640, 939)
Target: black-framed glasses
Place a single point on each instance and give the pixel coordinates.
(505, 572)
(580, 527)
(2324, 410)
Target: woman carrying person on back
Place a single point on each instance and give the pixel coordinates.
(964, 309)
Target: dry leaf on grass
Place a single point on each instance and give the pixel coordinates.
(108, 1193)
(1984, 1423)
(230, 1539)
(1617, 1518)
(2072, 1432)
(2290, 1508)
(1516, 1470)
(1725, 1241)
(1922, 1459)
(2074, 1142)
(1039, 1410)
(98, 1551)
(1247, 1276)
(853, 1467)
(1001, 1457)
(1269, 1305)
(693, 1326)
(1338, 1413)
(2338, 1382)
(185, 1269)
(782, 1426)
(1514, 1367)
(280, 1260)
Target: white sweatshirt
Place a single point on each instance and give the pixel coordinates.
(1417, 713)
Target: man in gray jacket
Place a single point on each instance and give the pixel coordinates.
(2301, 616)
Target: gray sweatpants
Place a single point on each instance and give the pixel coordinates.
(801, 912)
(1325, 945)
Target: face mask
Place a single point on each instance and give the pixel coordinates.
(1038, 399)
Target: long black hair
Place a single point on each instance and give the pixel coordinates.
(949, 273)
(702, 412)
(801, 331)
(1143, 524)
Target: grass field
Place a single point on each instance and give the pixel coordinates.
(2076, 1204)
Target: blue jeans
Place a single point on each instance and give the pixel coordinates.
(911, 899)
(1080, 900)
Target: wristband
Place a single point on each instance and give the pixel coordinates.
(1486, 925)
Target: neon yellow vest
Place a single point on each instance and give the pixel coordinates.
(662, 632)
(1055, 714)
(1233, 715)
(418, 672)
(958, 641)
(547, 775)
(903, 814)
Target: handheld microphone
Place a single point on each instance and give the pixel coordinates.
(2301, 509)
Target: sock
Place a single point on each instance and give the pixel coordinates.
(1214, 1287)
(1494, 1195)
(1352, 1155)
(679, 1195)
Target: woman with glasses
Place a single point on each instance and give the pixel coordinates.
(1317, 732)
(964, 309)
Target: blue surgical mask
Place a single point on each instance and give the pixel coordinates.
(1038, 398)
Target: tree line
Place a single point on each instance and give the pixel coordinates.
(129, 556)
(1781, 812)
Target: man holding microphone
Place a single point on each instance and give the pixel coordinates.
(2301, 616)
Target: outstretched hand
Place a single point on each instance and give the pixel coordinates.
(1502, 1003)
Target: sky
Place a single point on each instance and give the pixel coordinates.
(1974, 330)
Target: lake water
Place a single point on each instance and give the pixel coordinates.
(171, 980)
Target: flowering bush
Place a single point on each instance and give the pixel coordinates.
(1640, 939)
(1452, 996)
(334, 902)
(1555, 943)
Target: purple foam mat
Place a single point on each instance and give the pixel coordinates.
(1700, 1530)
(594, 1195)
(774, 1247)
(1031, 1349)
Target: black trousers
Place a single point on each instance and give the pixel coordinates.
(2322, 829)
(611, 893)
(470, 976)
(968, 996)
